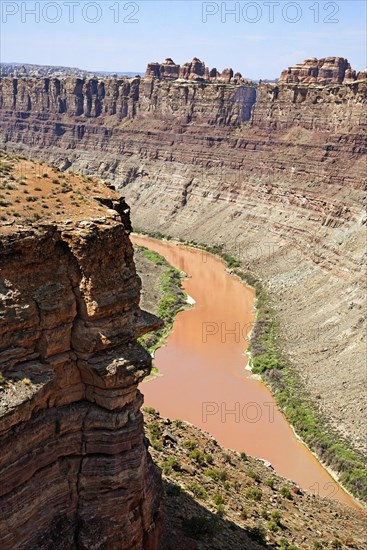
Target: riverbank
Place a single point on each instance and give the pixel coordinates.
(270, 362)
(217, 498)
(275, 369)
(162, 295)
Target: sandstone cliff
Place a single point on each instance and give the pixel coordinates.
(193, 70)
(74, 468)
(283, 188)
(329, 70)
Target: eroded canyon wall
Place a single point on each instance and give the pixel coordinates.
(280, 182)
(74, 466)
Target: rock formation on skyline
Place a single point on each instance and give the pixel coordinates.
(328, 70)
(192, 70)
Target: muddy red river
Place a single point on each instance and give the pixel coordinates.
(203, 377)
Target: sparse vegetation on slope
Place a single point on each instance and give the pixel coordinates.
(269, 361)
(31, 191)
(172, 299)
(238, 502)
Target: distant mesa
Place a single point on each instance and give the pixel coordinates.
(328, 70)
(192, 70)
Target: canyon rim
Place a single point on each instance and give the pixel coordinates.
(272, 174)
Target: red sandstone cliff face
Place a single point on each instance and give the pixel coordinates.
(74, 468)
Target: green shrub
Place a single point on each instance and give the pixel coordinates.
(197, 490)
(270, 483)
(168, 465)
(285, 492)
(157, 445)
(190, 444)
(197, 456)
(216, 474)
(218, 499)
(253, 493)
(155, 430)
(276, 516)
(273, 526)
(150, 410)
(152, 256)
(253, 475)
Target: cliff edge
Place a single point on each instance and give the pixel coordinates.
(74, 464)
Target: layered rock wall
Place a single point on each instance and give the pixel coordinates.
(74, 468)
(334, 109)
(112, 100)
(283, 188)
(328, 70)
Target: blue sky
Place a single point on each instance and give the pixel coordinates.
(259, 39)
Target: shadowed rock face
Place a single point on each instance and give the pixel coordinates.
(74, 467)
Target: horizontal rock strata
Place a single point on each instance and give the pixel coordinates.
(279, 179)
(74, 468)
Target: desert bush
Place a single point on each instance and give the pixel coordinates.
(253, 493)
(216, 474)
(285, 492)
(253, 475)
(276, 516)
(197, 490)
(218, 499)
(270, 483)
(197, 456)
(190, 444)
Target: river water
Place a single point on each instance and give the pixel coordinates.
(203, 376)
